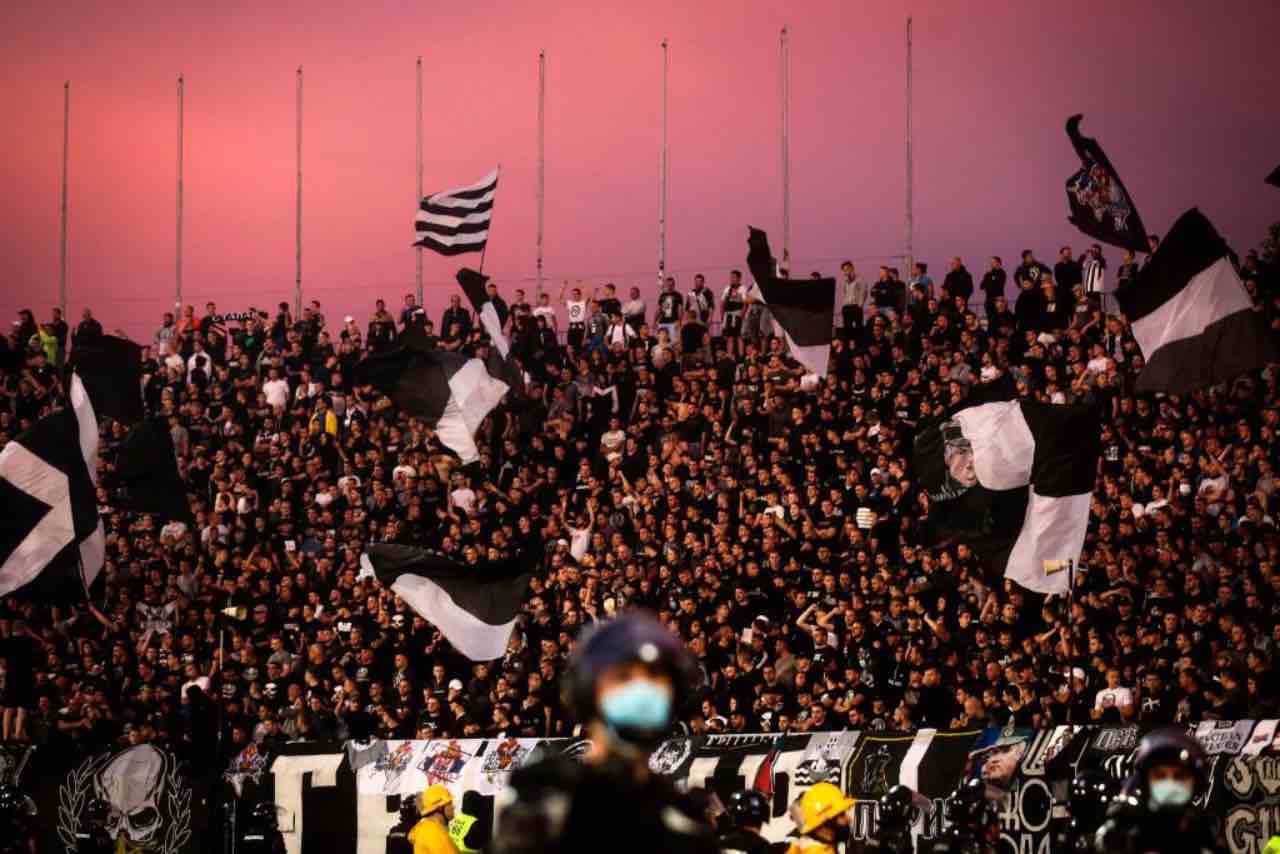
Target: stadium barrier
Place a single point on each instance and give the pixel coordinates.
(345, 798)
(348, 801)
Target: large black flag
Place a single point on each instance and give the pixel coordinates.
(1100, 205)
(147, 472)
(803, 308)
(52, 543)
(111, 369)
(453, 393)
(473, 605)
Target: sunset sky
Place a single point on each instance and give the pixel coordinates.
(1182, 95)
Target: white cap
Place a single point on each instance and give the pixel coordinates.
(348, 319)
(455, 684)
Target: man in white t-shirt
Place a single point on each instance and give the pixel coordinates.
(463, 496)
(1114, 696)
(276, 390)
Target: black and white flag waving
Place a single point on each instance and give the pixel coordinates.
(803, 308)
(473, 605)
(493, 315)
(452, 392)
(1013, 479)
(1191, 314)
(456, 221)
(50, 530)
(1100, 205)
(111, 369)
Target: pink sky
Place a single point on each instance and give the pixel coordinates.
(1181, 95)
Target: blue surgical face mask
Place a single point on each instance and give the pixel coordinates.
(1169, 793)
(639, 704)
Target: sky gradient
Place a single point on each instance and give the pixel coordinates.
(1182, 95)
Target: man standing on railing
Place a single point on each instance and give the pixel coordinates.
(634, 310)
(732, 303)
(670, 309)
(958, 282)
(853, 301)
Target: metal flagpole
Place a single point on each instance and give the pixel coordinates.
(785, 80)
(485, 248)
(662, 192)
(418, 200)
(297, 246)
(909, 225)
(178, 268)
(542, 166)
(66, 144)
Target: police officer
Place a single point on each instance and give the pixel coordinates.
(398, 837)
(627, 680)
(973, 825)
(893, 835)
(1088, 797)
(431, 834)
(1155, 814)
(261, 833)
(822, 820)
(747, 813)
(17, 825)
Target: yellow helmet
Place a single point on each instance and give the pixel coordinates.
(821, 804)
(434, 798)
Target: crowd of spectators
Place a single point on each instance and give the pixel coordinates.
(674, 459)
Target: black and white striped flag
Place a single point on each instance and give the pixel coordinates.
(457, 221)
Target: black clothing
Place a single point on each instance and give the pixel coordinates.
(1133, 829)
(958, 283)
(261, 840)
(742, 840)
(1068, 274)
(398, 837)
(605, 805)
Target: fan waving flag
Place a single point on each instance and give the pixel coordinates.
(803, 308)
(473, 605)
(51, 538)
(492, 313)
(1013, 479)
(457, 221)
(453, 393)
(1191, 315)
(1100, 205)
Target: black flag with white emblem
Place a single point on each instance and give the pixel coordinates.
(1100, 205)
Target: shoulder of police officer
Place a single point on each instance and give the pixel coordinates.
(549, 803)
(744, 841)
